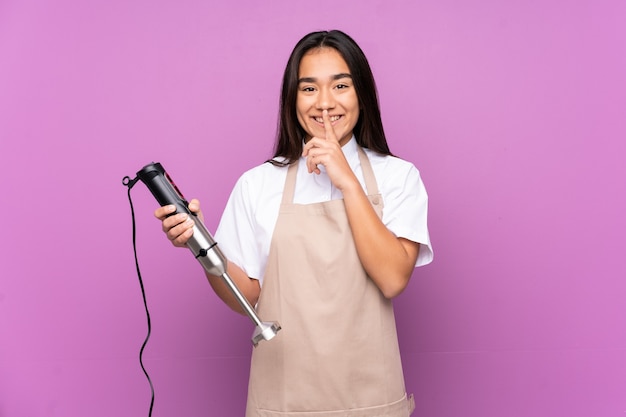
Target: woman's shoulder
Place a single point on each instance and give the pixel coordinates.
(265, 170)
(260, 177)
(390, 166)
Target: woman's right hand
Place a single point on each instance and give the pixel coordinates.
(179, 227)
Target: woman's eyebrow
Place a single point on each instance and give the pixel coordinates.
(333, 78)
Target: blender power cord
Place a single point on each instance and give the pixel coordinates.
(130, 183)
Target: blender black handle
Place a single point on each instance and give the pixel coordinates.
(163, 188)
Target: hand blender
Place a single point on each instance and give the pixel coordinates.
(202, 244)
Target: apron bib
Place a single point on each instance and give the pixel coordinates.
(337, 353)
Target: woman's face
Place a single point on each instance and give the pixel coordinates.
(325, 83)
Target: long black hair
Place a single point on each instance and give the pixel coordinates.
(368, 130)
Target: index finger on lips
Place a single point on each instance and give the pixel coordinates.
(328, 126)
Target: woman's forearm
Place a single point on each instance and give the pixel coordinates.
(387, 259)
(249, 287)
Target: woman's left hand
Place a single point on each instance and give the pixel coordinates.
(327, 152)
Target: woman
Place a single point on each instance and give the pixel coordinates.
(309, 243)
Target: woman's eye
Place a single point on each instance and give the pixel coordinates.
(341, 86)
(308, 89)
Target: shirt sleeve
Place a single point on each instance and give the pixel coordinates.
(235, 233)
(406, 207)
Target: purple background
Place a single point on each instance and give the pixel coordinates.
(514, 112)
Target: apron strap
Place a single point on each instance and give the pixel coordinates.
(368, 173)
(290, 184)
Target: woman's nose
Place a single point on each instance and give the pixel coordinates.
(325, 99)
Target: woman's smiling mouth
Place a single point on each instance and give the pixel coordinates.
(331, 118)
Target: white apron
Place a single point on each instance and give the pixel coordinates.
(337, 353)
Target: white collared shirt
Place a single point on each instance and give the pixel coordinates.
(245, 231)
